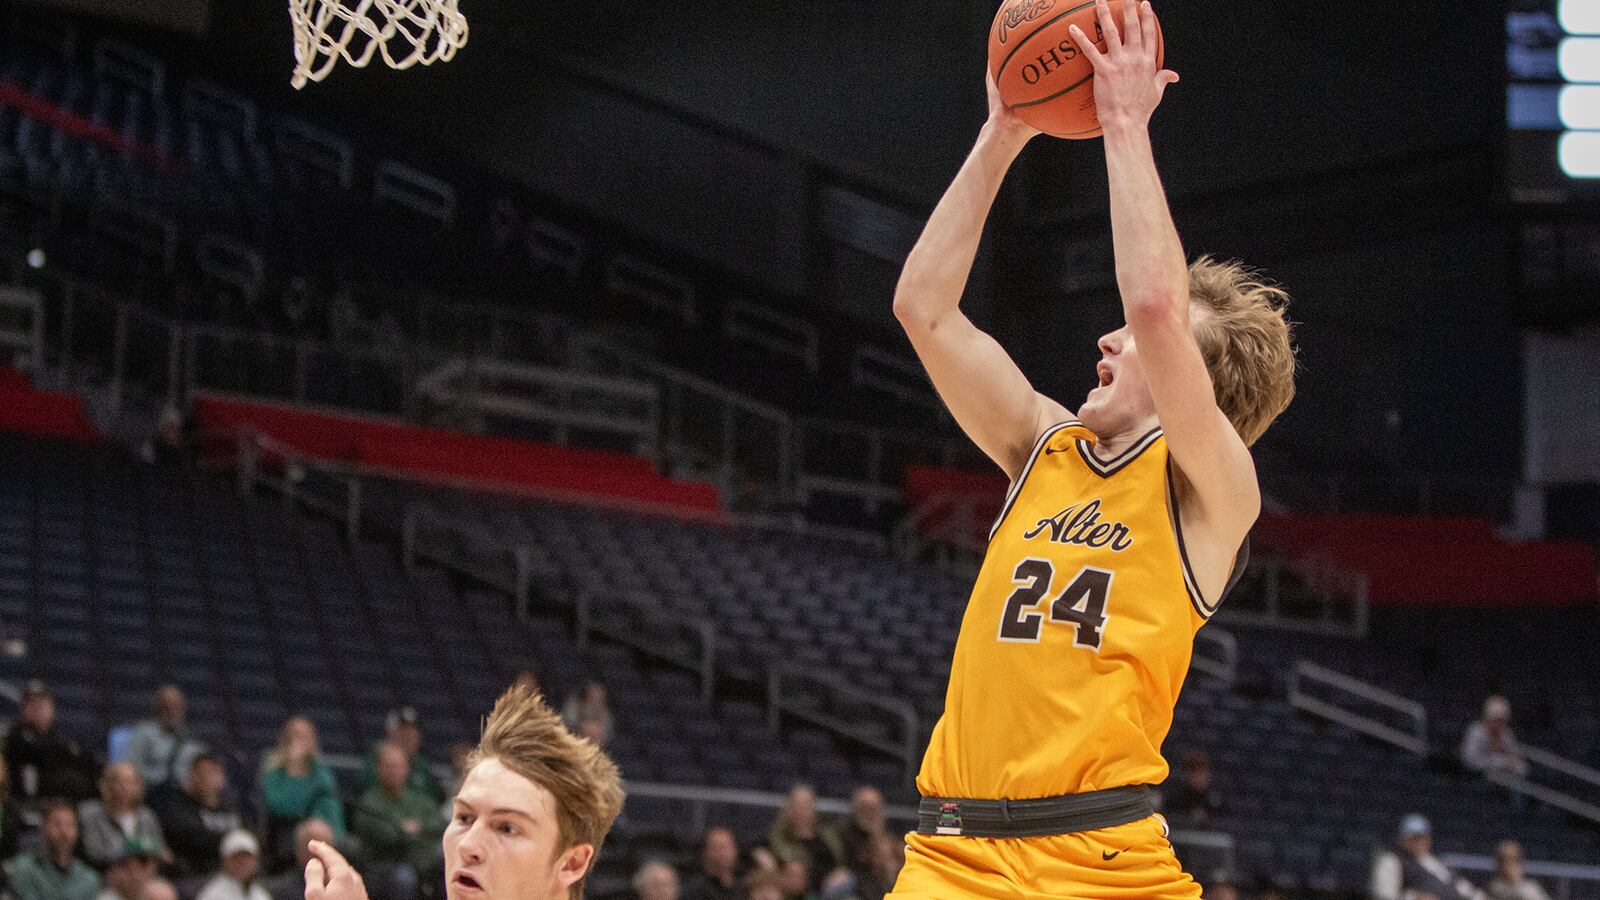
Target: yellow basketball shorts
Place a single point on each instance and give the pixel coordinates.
(1128, 862)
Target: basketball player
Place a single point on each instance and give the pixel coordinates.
(1124, 526)
(528, 821)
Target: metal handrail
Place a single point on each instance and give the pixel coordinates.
(1563, 873)
(1305, 670)
(1570, 768)
(1226, 665)
(779, 673)
(704, 662)
(741, 797)
(251, 445)
(1544, 794)
(1270, 615)
(461, 382)
(412, 549)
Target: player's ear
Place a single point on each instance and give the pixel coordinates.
(574, 864)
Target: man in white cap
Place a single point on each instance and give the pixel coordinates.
(1489, 746)
(241, 863)
(1412, 872)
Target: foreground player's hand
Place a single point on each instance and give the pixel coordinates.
(1128, 83)
(330, 877)
(1002, 118)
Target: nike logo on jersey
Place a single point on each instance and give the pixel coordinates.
(1108, 857)
(1081, 525)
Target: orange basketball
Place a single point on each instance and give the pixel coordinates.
(1039, 69)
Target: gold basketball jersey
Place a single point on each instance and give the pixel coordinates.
(1078, 634)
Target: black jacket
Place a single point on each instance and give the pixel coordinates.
(194, 832)
(49, 765)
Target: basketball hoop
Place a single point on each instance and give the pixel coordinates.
(404, 32)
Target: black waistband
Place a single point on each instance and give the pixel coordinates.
(1034, 818)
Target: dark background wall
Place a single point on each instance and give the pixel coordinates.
(1354, 156)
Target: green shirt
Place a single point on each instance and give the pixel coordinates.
(378, 822)
(313, 795)
(35, 877)
(420, 778)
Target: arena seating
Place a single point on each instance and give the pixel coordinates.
(198, 202)
(257, 612)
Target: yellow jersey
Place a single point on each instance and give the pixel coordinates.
(1077, 637)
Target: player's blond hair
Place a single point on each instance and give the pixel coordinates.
(527, 737)
(1247, 343)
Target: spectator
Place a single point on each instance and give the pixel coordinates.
(10, 822)
(126, 876)
(876, 876)
(1510, 881)
(1412, 872)
(195, 818)
(796, 880)
(399, 827)
(1220, 886)
(860, 838)
(588, 713)
(763, 885)
(241, 863)
(53, 873)
(1489, 746)
(296, 784)
(460, 758)
(717, 877)
(158, 889)
(797, 834)
(43, 762)
(167, 444)
(1193, 799)
(118, 817)
(160, 747)
(403, 731)
(656, 880)
(291, 885)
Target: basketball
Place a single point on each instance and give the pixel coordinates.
(1039, 69)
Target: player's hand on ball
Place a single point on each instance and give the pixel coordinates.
(330, 877)
(1128, 83)
(1002, 118)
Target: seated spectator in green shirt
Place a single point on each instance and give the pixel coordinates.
(399, 828)
(296, 785)
(53, 873)
(404, 731)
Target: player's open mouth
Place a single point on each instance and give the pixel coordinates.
(463, 880)
(1104, 371)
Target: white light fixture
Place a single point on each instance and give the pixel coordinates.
(1580, 154)
(1579, 58)
(1580, 16)
(1580, 106)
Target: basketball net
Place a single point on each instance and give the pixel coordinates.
(404, 32)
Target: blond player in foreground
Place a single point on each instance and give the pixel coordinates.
(528, 821)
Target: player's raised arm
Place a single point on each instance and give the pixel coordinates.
(987, 394)
(1153, 278)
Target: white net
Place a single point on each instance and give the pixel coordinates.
(404, 32)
